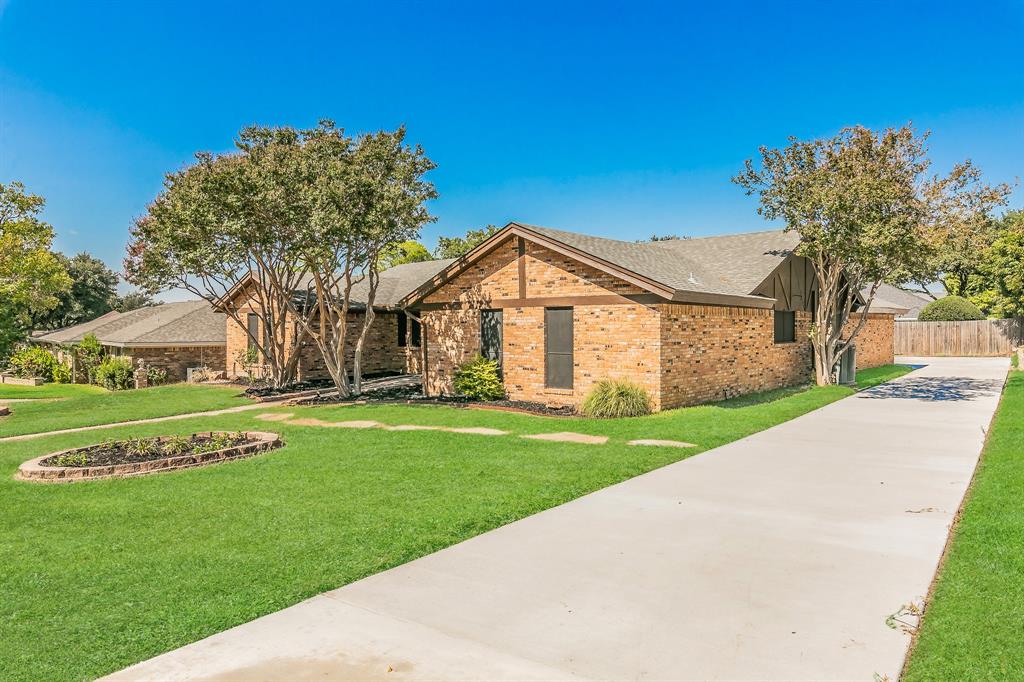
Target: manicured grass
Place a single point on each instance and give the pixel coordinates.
(48, 391)
(973, 625)
(88, 406)
(866, 378)
(103, 574)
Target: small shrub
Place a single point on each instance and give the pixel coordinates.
(115, 373)
(90, 354)
(950, 309)
(141, 447)
(156, 376)
(177, 445)
(73, 460)
(479, 379)
(61, 374)
(616, 398)
(33, 361)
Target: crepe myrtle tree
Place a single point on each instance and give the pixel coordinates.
(236, 220)
(866, 212)
(373, 197)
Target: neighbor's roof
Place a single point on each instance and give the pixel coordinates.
(170, 324)
(907, 303)
(729, 266)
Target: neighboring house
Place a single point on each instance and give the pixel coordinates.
(174, 336)
(393, 344)
(692, 321)
(910, 300)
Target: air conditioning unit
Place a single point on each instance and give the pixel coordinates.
(848, 366)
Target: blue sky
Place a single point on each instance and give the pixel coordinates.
(616, 119)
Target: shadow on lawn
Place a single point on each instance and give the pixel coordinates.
(934, 389)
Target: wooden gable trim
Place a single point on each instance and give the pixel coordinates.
(525, 234)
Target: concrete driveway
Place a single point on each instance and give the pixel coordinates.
(777, 557)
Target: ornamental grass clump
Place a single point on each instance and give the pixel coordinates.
(479, 379)
(616, 398)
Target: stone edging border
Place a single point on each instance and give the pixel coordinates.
(260, 441)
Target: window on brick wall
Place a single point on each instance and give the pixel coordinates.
(785, 326)
(558, 343)
(252, 322)
(490, 335)
(404, 337)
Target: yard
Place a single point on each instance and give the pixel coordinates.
(65, 406)
(972, 627)
(103, 574)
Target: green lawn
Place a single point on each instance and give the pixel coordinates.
(89, 406)
(48, 391)
(974, 623)
(100, 575)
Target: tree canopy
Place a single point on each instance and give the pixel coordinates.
(866, 211)
(93, 292)
(32, 277)
(409, 251)
(454, 247)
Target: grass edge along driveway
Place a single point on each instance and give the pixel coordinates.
(973, 622)
(104, 574)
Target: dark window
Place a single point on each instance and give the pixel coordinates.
(785, 326)
(267, 331)
(403, 329)
(252, 322)
(558, 347)
(490, 335)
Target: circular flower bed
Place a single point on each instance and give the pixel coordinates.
(137, 456)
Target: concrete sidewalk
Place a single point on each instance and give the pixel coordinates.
(778, 557)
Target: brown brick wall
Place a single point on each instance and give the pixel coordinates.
(176, 360)
(875, 340)
(711, 353)
(682, 354)
(381, 353)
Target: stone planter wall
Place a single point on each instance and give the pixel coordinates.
(18, 381)
(32, 470)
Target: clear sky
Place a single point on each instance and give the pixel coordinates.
(616, 119)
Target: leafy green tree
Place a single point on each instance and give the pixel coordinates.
(866, 212)
(92, 293)
(375, 197)
(950, 309)
(236, 219)
(133, 300)
(998, 287)
(454, 247)
(31, 275)
(409, 251)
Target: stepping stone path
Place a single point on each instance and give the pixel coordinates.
(560, 437)
(662, 443)
(569, 437)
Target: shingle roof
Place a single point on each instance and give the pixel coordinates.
(731, 264)
(891, 297)
(398, 282)
(170, 324)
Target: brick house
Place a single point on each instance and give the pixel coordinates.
(172, 336)
(393, 344)
(692, 321)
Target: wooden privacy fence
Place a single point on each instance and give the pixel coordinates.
(974, 337)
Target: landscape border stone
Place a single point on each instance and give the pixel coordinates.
(32, 470)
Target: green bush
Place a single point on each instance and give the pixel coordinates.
(616, 398)
(33, 361)
(950, 309)
(479, 379)
(156, 376)
(115, 373)
(90, 354)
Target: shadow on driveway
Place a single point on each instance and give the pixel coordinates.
(934, 389)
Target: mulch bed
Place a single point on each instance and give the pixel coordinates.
(118, 459)
(412, 395)
(144, 450)
(303, 386)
